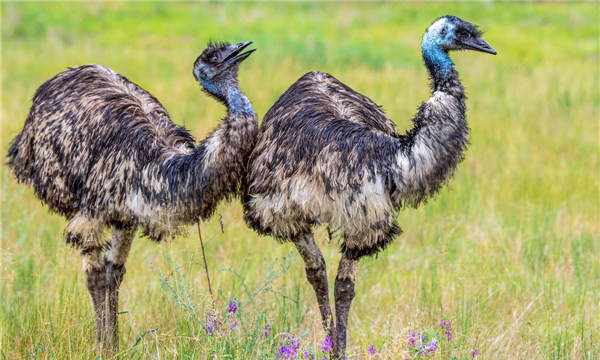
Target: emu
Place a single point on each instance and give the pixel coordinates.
(101, 151)
(328, 155)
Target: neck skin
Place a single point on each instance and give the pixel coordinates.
(436, 60)
(231, 96)
(238, 103)
(433, 148)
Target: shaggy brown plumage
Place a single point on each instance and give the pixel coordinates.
(104, 153)
(328, 155)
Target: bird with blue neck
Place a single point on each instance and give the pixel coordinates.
(328, 155)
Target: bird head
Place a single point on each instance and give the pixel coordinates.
(217, 66)
(451, 33)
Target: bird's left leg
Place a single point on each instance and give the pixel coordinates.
(316, 273)
(344, 293)
(119, 247)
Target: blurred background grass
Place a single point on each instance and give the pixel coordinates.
(510, 252)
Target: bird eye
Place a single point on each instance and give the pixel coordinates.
(463, 34)
(214, 58)
(444, 32)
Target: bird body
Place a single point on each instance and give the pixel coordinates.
(327, 155)
(315, 164)
(97, 146)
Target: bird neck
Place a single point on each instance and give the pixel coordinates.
(437, 61)
(212, 171)
(444, 76)
(238, 103)
(433, 148)
(231, 96)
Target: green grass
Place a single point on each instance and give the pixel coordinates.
(510, 253)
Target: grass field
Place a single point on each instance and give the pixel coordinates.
(509, 254)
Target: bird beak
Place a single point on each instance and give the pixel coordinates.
(232, 53)
(478, 44)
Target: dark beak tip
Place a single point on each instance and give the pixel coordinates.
(245, 55)
(491, 50)
(483, 46)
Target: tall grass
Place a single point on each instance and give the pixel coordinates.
(509, 253)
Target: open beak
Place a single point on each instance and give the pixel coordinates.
(478, 44)
(233, 53)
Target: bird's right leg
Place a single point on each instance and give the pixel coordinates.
(316, 273)
(116, 256)
(344, 293)
(96, 281)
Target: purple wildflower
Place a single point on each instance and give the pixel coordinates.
(448, 327)
(425, 349)
(371, 350)
(267, 331)
(327, 345)
(412, 339)
(219, 325)
(433, 346)
(308, 356)
(232, 309)
(476, 352)
(290, 350)
(211, 324)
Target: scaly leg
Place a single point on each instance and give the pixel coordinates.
(94, 267)
(344, 293)
(316, 273)
(120, 245)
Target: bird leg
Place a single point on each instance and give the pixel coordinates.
(94, 266)
(114, 277)
(316, 273)
(344, 293)
(96, 285)
(120, 245)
